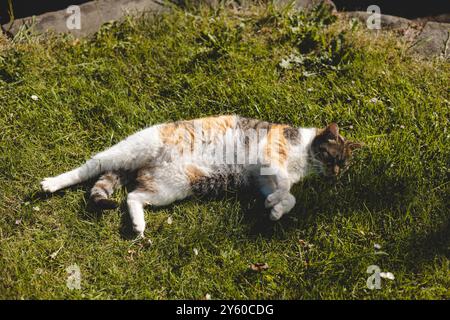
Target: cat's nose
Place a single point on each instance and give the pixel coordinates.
(336, 170)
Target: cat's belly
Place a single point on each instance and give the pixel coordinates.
(221, 179)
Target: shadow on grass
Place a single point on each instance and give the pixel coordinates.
(365, 192)
(374, 191)
(422, 247)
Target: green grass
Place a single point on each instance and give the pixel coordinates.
(96, 91)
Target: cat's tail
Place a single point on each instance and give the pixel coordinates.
(129, 155)
(105, 187)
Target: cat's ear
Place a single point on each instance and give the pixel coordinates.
(332, 131)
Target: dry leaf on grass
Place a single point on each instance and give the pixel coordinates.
(258, 267)
(130, 256)
(305, 244)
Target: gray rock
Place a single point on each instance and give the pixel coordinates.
(92, 15)
(387, 21)
(97, 12)
(434, 40)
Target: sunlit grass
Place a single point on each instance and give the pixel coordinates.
(94, 92)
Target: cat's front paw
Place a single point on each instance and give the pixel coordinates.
(273, 198)
(50, 185)
(276, 213)
(284, 206)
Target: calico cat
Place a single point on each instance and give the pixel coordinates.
(172, 161)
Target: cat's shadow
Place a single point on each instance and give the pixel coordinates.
(356, 192)
(89, 210)
(359, 191)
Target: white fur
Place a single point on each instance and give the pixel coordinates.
(145, 147)
(129, 154)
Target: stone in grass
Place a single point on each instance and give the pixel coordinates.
(387, 21)
(434, 40)
(93, 14)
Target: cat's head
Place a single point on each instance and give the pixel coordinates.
(331, 153)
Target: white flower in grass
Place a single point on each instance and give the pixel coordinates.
(285, 64)
(308, 74)
(169, 220)
(387, 275)
(196, 251)
(297, 59)
(34, 97)
(36, 208)
(310, 89)
(373, 100)
(208, 296)
(377, 246)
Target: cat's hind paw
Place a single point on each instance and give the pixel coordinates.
(139, 230)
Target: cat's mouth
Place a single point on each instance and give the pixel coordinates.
(333, 172)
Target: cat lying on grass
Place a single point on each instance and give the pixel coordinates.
(172, 161)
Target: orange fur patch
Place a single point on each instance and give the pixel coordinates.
(182, 133)
(145, 180)
(215, 127)
(276, 149)
(219, 124)
(194, 173)
(179, 134)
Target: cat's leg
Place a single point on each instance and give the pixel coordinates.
(129, 154)
(136, 201)
(276, 189)
(280, 203)
(157, 186)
